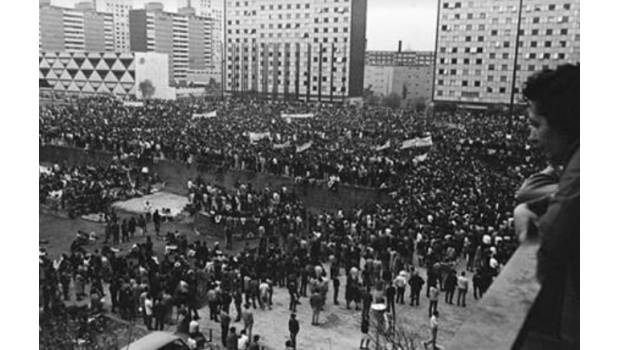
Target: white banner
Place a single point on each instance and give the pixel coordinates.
(417, 142)
(281, 145)
(133, 104)
(257, 136)
(386, 145)
(420, 158)
(212, 114)
(303, 147)
(297, 116)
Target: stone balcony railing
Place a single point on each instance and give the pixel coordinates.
(499, 320)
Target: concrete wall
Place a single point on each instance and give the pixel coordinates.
(176, 175)
(154, 67)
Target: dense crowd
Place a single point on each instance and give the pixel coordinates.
(80, 190)
(344, 139)
(454, 204)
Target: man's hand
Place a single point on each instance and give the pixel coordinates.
(524, 221)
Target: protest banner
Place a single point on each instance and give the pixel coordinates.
(257, 136)
(212, 114)
(297, 116)
(386, 145)
(133, 104)
(420, 158)
(281, 145)
(303, 147)
(417, 142)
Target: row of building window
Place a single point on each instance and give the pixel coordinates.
(498, 8)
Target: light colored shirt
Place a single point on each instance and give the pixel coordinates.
(462, 282)
(148, 306)
(434, 294)
(434, 322)
(242, 343)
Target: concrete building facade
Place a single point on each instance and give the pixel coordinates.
(486, 49)
(400, 58)
(406, 73)
(183, 36)
(302, 49)
(120, 18)
(79, 29)
(213, 9)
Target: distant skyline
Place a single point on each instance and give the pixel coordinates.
(387, 21)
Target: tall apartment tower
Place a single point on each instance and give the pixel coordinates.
(79, 29)
(486, 49)
(302, 49)
(213, 9)
(120, 14)
(183, 36)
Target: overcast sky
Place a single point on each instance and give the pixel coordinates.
(412, 21)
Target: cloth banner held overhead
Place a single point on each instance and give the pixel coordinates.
(257, 136)
(133, 104)
(386, 145)
(417, 142)
(289, 117)
(420, 158)
(297, 116)
(212, 114)
(303, 147)
(282, 145)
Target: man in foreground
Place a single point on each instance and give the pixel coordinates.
(553, 97)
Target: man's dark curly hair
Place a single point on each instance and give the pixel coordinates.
(555, 96)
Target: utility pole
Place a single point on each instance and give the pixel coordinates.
(514, 66)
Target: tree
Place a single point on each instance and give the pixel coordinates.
(370, 98)
(396, 337)
(392, 100)
(147, 89)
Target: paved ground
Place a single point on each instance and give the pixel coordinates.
(339, 328)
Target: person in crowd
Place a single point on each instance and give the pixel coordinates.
(415, 283)
(248, 319)
(243, 341)
(450, 286)
(293, 328)
(254, 345)
(433, 298)
(224, 325)
(434, 327)
(316, 301)
(232, 342)
(463, 284)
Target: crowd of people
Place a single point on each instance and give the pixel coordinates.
(453, 205)
(344, 140)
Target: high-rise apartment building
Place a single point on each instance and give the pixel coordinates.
(184, 36)
(400, 58)
(79, 29)
(486, 49)
(120, 15)
(303, 49)
(213, 9)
